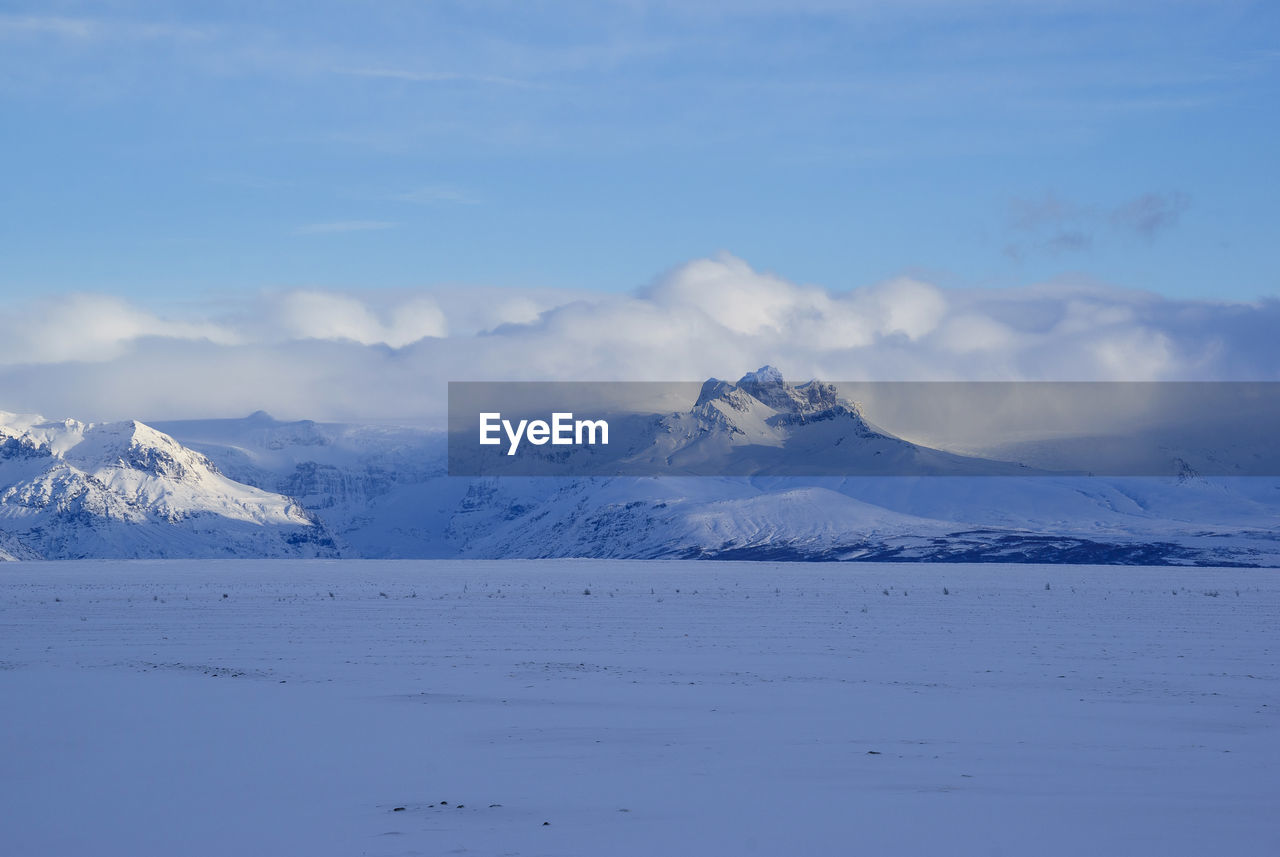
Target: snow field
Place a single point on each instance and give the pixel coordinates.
(291, 707)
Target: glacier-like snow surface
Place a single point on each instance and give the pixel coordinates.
(636, 708)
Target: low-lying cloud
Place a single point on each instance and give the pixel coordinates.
(388, 357)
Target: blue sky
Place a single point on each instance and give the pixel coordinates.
(170, 152)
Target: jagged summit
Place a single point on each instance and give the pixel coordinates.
(763, 424)
(809, 400)
(766, 375)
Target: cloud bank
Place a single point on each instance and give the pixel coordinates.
(388, 357)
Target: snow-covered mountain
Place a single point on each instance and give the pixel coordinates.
(763, 425)
(262, 487)
(974, 519)
(70, 489)
(759, 425)
(375, 488)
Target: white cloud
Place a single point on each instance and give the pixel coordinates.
(325, 315)
(384, 356)
(728, 291)
(970, 332)
(909, 307)
(1134, 353)
(82, 327)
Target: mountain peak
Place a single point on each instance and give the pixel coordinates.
(764, 385)
(765, 376)
(789, 402)
(71, 489)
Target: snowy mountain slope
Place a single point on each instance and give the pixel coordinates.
(751, 425)
(73, 489)
(757, 426)
(348, 476)
(626, 517)
(384, 493)
(260, 449)
(11, 551)
(763, 425)
(803, 518)
(258, 486)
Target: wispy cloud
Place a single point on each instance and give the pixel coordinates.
(1056, 225)
(47, 25)
(92, 29)
(1151, 213)
(1047, 210)
(86, 327)
(344, 226)
(437, 194)
(1069, 241)
(435, 76)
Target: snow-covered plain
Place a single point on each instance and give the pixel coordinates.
(291, 707)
